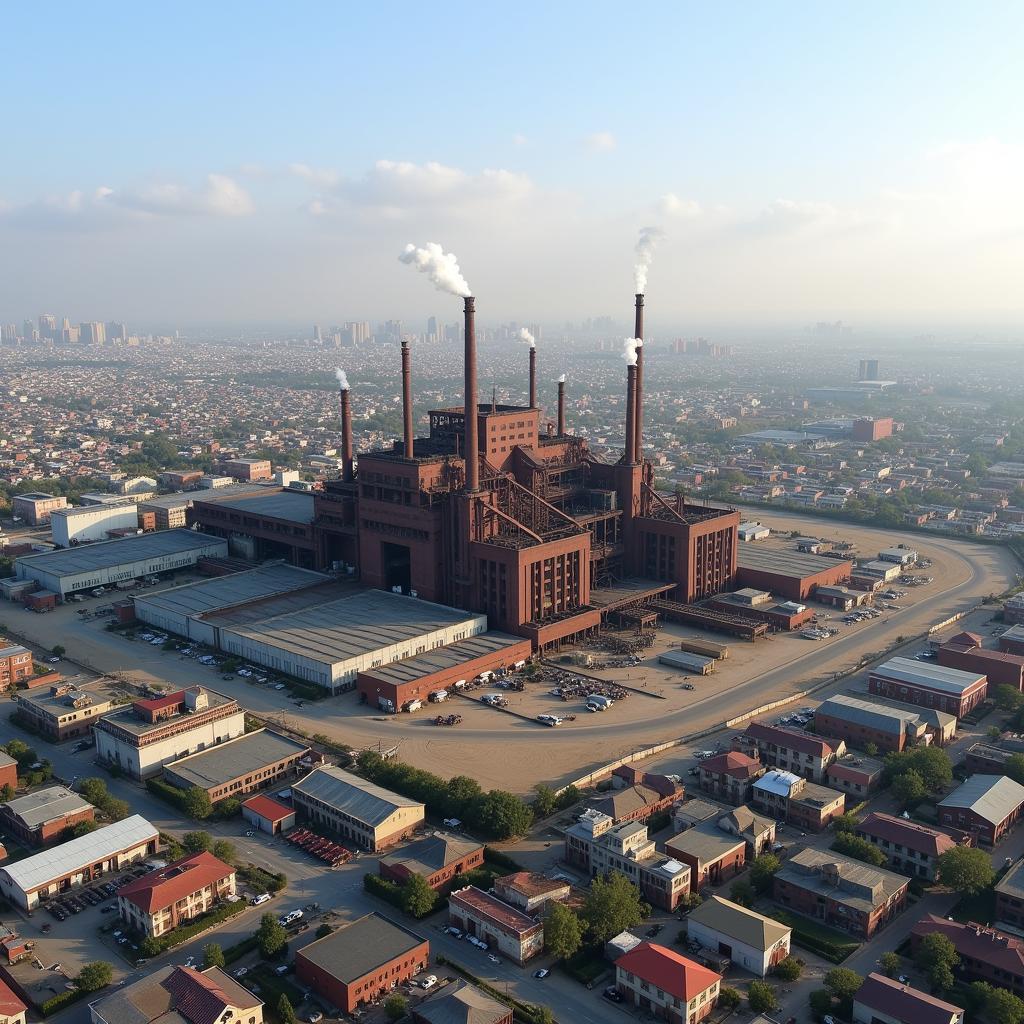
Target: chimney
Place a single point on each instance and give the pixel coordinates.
(346, 437)
(407, 399)
(627, 456)
(638, 414)
(471, 404)
(561, 408)
(533, 377)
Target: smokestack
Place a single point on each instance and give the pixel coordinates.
(638, 413)
(561, 407)
(407, 399)
(630, 411)
(533, 377)
(471, 404)
(346, 437)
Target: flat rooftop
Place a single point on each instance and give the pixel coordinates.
(295, 506)
(359, 948)
(235, 759)
(182, 499)
(626, 592)
(126, 719)
(45, 805)
(935, 677)
(441, 659)
(786, 563)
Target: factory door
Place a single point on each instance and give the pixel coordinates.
(396, 562)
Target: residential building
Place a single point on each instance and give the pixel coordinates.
(41, 816)
(789, 749)
(857, 775)
(361, 961)
(268, 815)
(805, 805)
(987, 806)
(986, 954)
(757, 831)
(730, 776)
(62, 711)
(889, 725)
(461, 1003)
(369, 815)
(637, 803)
(12, 1009)
(1009, 892)
(530, 892)
(438, 858)
(839, 891)
(928, 685)
(882, 1000)
(666, 984)
(752, 941)
(8, 771)
(911, 848)
(506, 928)
(15, 664)
(148, 734)
(712, 855)
(168, 897)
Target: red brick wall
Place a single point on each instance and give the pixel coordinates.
(857, 735)
(9, 776)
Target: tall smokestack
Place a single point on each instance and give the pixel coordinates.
(561, 406)
(471, 405)
(638, 416)
(347, 473)
(533, 377)
(630, 411)
(407, 399)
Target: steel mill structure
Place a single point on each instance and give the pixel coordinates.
(493, 514)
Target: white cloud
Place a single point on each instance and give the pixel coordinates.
(316, 175)
(600, 142)
(670, 205)
(519, 140)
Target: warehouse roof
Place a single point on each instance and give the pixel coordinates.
(706, 842)
(786, 563)
(78, 510)
(431, 854)
(993, 797)
(235, 588)
(935, 677)
(843, 879)
(285, 503)
(362, 800)
(1012, 883)
(359, 948)
(185, 498)
(441, 659)
(45, 805)
(746, 926)
(266, 807)
(43, 867)
(461, 1003)
(108, 553)
(873, 713)
(237, 758)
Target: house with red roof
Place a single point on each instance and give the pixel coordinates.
(791, 750)
(911, 848)
(158, 902)
(882, 1000)
(730, 776)
(268, 815)
(12, 1009)
(667, 984)
(986, 954)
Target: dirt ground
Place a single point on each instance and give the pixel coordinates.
(505, 751)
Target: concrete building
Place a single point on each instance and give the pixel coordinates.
(987, 806)
(361, 961)
(247, 469)
(438, 858)
(911, 848)
(1009, 891)
(69, 526)
(41, 816)
(857, 775)
(371, 816)
(712, 855)
(840, 892)
(116, 561)
(793, 575)
(882, 1000)
(251, 761)
(78, 861)
(788, 749)
(503, 927)
(268, 815)
(931, 686)
(531, 892)
(148, 734)
(159, 902)
(802, 804)
(35, 507)
(750, 940)
(461, 1003)
(62, 711)
(730, 776)
(666, 984)
(986, 954)
(859, 719)
(15, 665)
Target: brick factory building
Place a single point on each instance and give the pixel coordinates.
(438, 858)
(1009, 892)
(40, 817)
(247, 469)
(792, 574)
(987, 806)
(1001, 668)
(931, 686)
(530, 892)
(857, 775)
(503, 927)
(860, 719)
(15, 664)
(1012, 641)
(882, 1000)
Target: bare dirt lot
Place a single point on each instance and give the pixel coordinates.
(503, 750)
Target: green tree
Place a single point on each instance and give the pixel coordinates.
(545, 800)
(762, 871)
(6, 793)
(502, 815)
(729, 998)
(196, 803)
(213, 955)
(612, 905)
(934, 767)
(871, 749)
(909, 789)
(1008, 698)
(845, 822)
(937, 956)
(860, 849)
(59, 650)
(418, 899)
(563, 931)
(285, 1012)
(92, 790)
(461, 793)
(842, 982)
(396, 1006)
(965, 870)
(820, 1001)
(224, 850)
(94, 976)
(890, 963)
(115, 809)
(83, 828)
(742, 892)
(1013, 766)
(789, 969)
(543, 1015)
(761, 997)
(270, 936)
(324, 930)
(197, 842)
(1002, 1007)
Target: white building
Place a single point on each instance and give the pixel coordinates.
(91, 522)
(750, 940)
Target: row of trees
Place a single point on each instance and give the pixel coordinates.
(95, 791)
(612, 905)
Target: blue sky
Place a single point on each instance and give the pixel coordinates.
(856, 151)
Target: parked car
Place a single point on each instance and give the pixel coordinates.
(542, 973)
(614, 995)
(256, 901)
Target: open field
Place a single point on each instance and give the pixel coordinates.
(503, 750)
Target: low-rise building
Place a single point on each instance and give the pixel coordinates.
(1009, 892)
(882, 1000)
(987, 806)
(40, 817)
(361, 961)
(369, 815)
(1013, 610)
(857, 775)
(911, 848)
(788, 749)
(805, 805)
(15, 664)
(69, 526)
(1012, 641)
(530, 892)
(461, 1003)
(750, 940)
(965, 652)
(712, 855)
(637, 803)
(929, 685)
(693, 812)
(12, 1009)
(840, 891)
(987, 759)
(62, 711)
(860, 719)
(268, 815)
(35, 507)
(986, 954)
(167, 897)
(756, 830)
(666, 984)
(500, 925)
(8, 771)
(730, 776)
(438, 858)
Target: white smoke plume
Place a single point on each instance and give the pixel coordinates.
(441, 267)
(525, 335)
(649, 238)
(629, 347)
(342, 379)
(561, 380)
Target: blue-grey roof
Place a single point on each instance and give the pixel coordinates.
(363, 800)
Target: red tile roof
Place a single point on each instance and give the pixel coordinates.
(10, 1004)
(893, 999)
(200, 998)
(267, 808)
(733, 763)
(910, 834)
(799, 741)
(181, 878)
(485, 905)
(170, 700)
(988, 945)
(668, 970)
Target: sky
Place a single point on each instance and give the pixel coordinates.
(246, 163)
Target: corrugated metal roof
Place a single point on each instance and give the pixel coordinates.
(936, 677)
(778, 782)
(992, 797)
(235, 759)
(295, 506)
(443, 658)
(364, 801)
(46, 805)
(785, 563)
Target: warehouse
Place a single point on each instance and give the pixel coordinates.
(930, 686)
(890, 726)
(394, 687)
(116, 561)
(242, 765)
(330, 644)
(38, 817)
(78, 861)
(170, 511)
(687, 662)
(180, 610)
(964, 652)
(91, 522)
(793, 575)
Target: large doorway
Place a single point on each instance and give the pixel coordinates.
(396, 564)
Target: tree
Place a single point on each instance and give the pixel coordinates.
(285, 1013)
(890, 963)
(845, 822)
(545, 801)
(563, 931)
(196, 803)
(224, 850)
(761, 997)
(859, 849)
(789, 969)
(729, 998)
(83, 828)
(396, 1006)
(94, 976)
(934, 767)
(1003, 1007)
(324, 930)
(842, 982)
(92, 790)
(213, 955)
(7, 793)
(762, 871)
(462, 793)
(1009, 698)
(59, 649)
(197, 842)
(994, 733)
(418, 899)
(871, 749)
(742, 893)
(270, 936)
(820, 1001)
(115, 809)
(965, 870)
(503, 815)
(937, 956)
(1014, 768)
(612, 905)
(909, 789)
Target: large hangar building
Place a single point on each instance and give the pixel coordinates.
(791, 574)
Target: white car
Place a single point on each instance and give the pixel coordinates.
(241, 972)
(493, 958)
(292, 915)
(428, 982)
(256, 901)
(279, 686)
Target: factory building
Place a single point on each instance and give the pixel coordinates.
(860, 719)
(930, 686)
(89, 523)
(793, 575)
(247, 469)
(35, 507)
(964, 652)
(117, 561)
(40, 817)
(171, 510)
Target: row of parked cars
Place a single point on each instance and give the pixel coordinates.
(62, 907)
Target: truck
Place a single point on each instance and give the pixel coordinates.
(600, 700)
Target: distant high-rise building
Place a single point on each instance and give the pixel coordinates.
(47, 326)
(117, 331)
(92, 332)
(392, 330)
(28, 331)
(453, 332)
(8, 333)
(317, 335)
(433, 329)
(868, 369)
